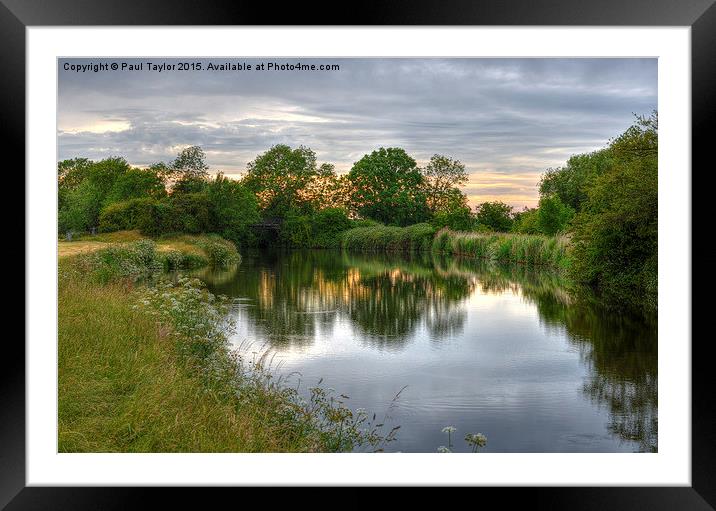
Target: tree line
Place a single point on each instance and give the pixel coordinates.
(605, 201)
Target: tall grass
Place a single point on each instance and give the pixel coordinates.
(504, 248)
(147, 368)
(418, 237)
(499, 247)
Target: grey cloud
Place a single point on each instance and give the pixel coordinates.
(508, 116)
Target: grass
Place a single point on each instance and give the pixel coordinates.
(527, 249)
(144, 366)
(201, 246)
(413, 238)
(121, 389)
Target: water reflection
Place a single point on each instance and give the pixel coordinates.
(295, 299)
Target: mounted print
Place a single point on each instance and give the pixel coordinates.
(363, 254)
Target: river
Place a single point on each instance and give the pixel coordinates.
(503, 351)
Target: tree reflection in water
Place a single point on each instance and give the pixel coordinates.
(291, 297)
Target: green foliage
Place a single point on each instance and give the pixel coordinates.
(220, 252)
(615, 233)
(526, 221)
(553, 215)
(127, 215)
(189, 184)
(189, 213)
(388, 187)
(417, 237)
(570, 183)
(277, 177)
(132, 261)
(327, 226)
(136, 183)
(458, 217)
(83, 186)
(296, 230)
(190, 163)
(442, 177)
(321, 229)
(233, 209)
(80, 208)
(504, 248)
(496, 216)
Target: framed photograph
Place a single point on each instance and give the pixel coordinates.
(435, 247)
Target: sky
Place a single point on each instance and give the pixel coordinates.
(507, 120)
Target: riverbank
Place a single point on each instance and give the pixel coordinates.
(538, 250)
(144, 364)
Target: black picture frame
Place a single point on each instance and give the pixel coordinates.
(700, 15)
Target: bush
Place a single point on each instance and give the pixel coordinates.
(496, 216)
(177, 260)
(132, 261)
(233, 209)
(526, 222)
(187, 213)
(296, 230)
(125, 215)
(457, 219)
(220, 252)
(553, 215)
(327, 226)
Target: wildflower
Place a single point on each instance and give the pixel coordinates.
(476, 440)
(442, 448)
(449, 430)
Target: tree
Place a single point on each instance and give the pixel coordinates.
(455, 214)
(526, 221)
(83, 186)
(81, 208)
(495, 215)
(570, 183)
(388, 187)
(233, 209)
(136, 183)
(278, 175)
(553, 215)
(442, 177)
(191, 161)
(615, 235)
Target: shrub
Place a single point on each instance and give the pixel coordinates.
(327, 225)
(553, 216)
(296, 230)
(220, 252)
(125, 215)
(457, 219)
(496, 215)
(132, 261)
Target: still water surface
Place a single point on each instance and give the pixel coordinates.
(502, 351)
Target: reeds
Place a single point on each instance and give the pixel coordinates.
(418, 237)
(504, 247)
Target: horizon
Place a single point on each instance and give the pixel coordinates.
(507, 120)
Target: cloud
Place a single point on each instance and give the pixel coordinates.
(506, 119)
